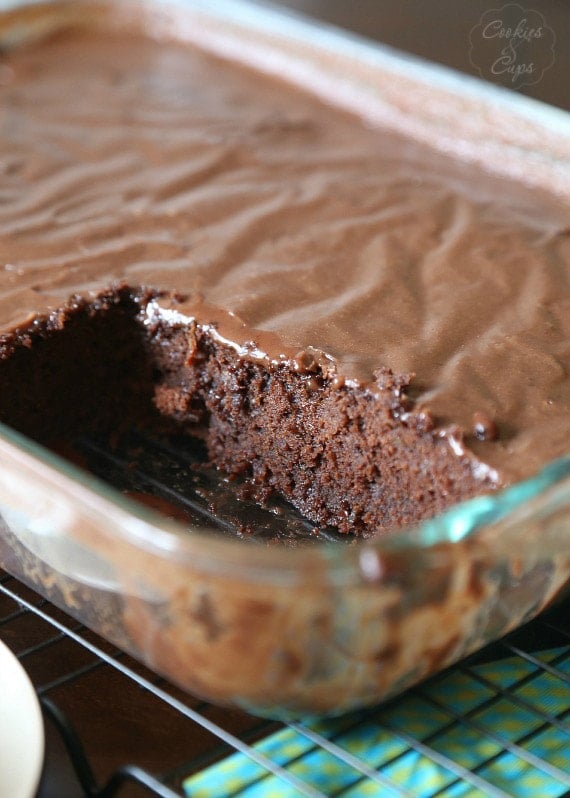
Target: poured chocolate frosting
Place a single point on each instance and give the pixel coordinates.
(289, 226)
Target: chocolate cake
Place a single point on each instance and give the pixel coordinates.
(371, 329)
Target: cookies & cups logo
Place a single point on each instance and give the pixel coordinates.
(512, 46)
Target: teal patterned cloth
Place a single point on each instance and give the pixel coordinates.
(427, 716)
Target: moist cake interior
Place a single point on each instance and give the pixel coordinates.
(366, 327)
(341, 456)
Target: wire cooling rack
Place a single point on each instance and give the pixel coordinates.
(498, 724)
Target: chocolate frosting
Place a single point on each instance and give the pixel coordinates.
(288, 225)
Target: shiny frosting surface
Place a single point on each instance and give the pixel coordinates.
(286, 223)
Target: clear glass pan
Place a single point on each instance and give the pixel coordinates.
(323, 629)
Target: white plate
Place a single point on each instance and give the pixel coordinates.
(21, 730)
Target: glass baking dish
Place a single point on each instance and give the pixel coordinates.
(311, 630)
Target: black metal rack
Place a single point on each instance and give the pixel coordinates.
(72, 658)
